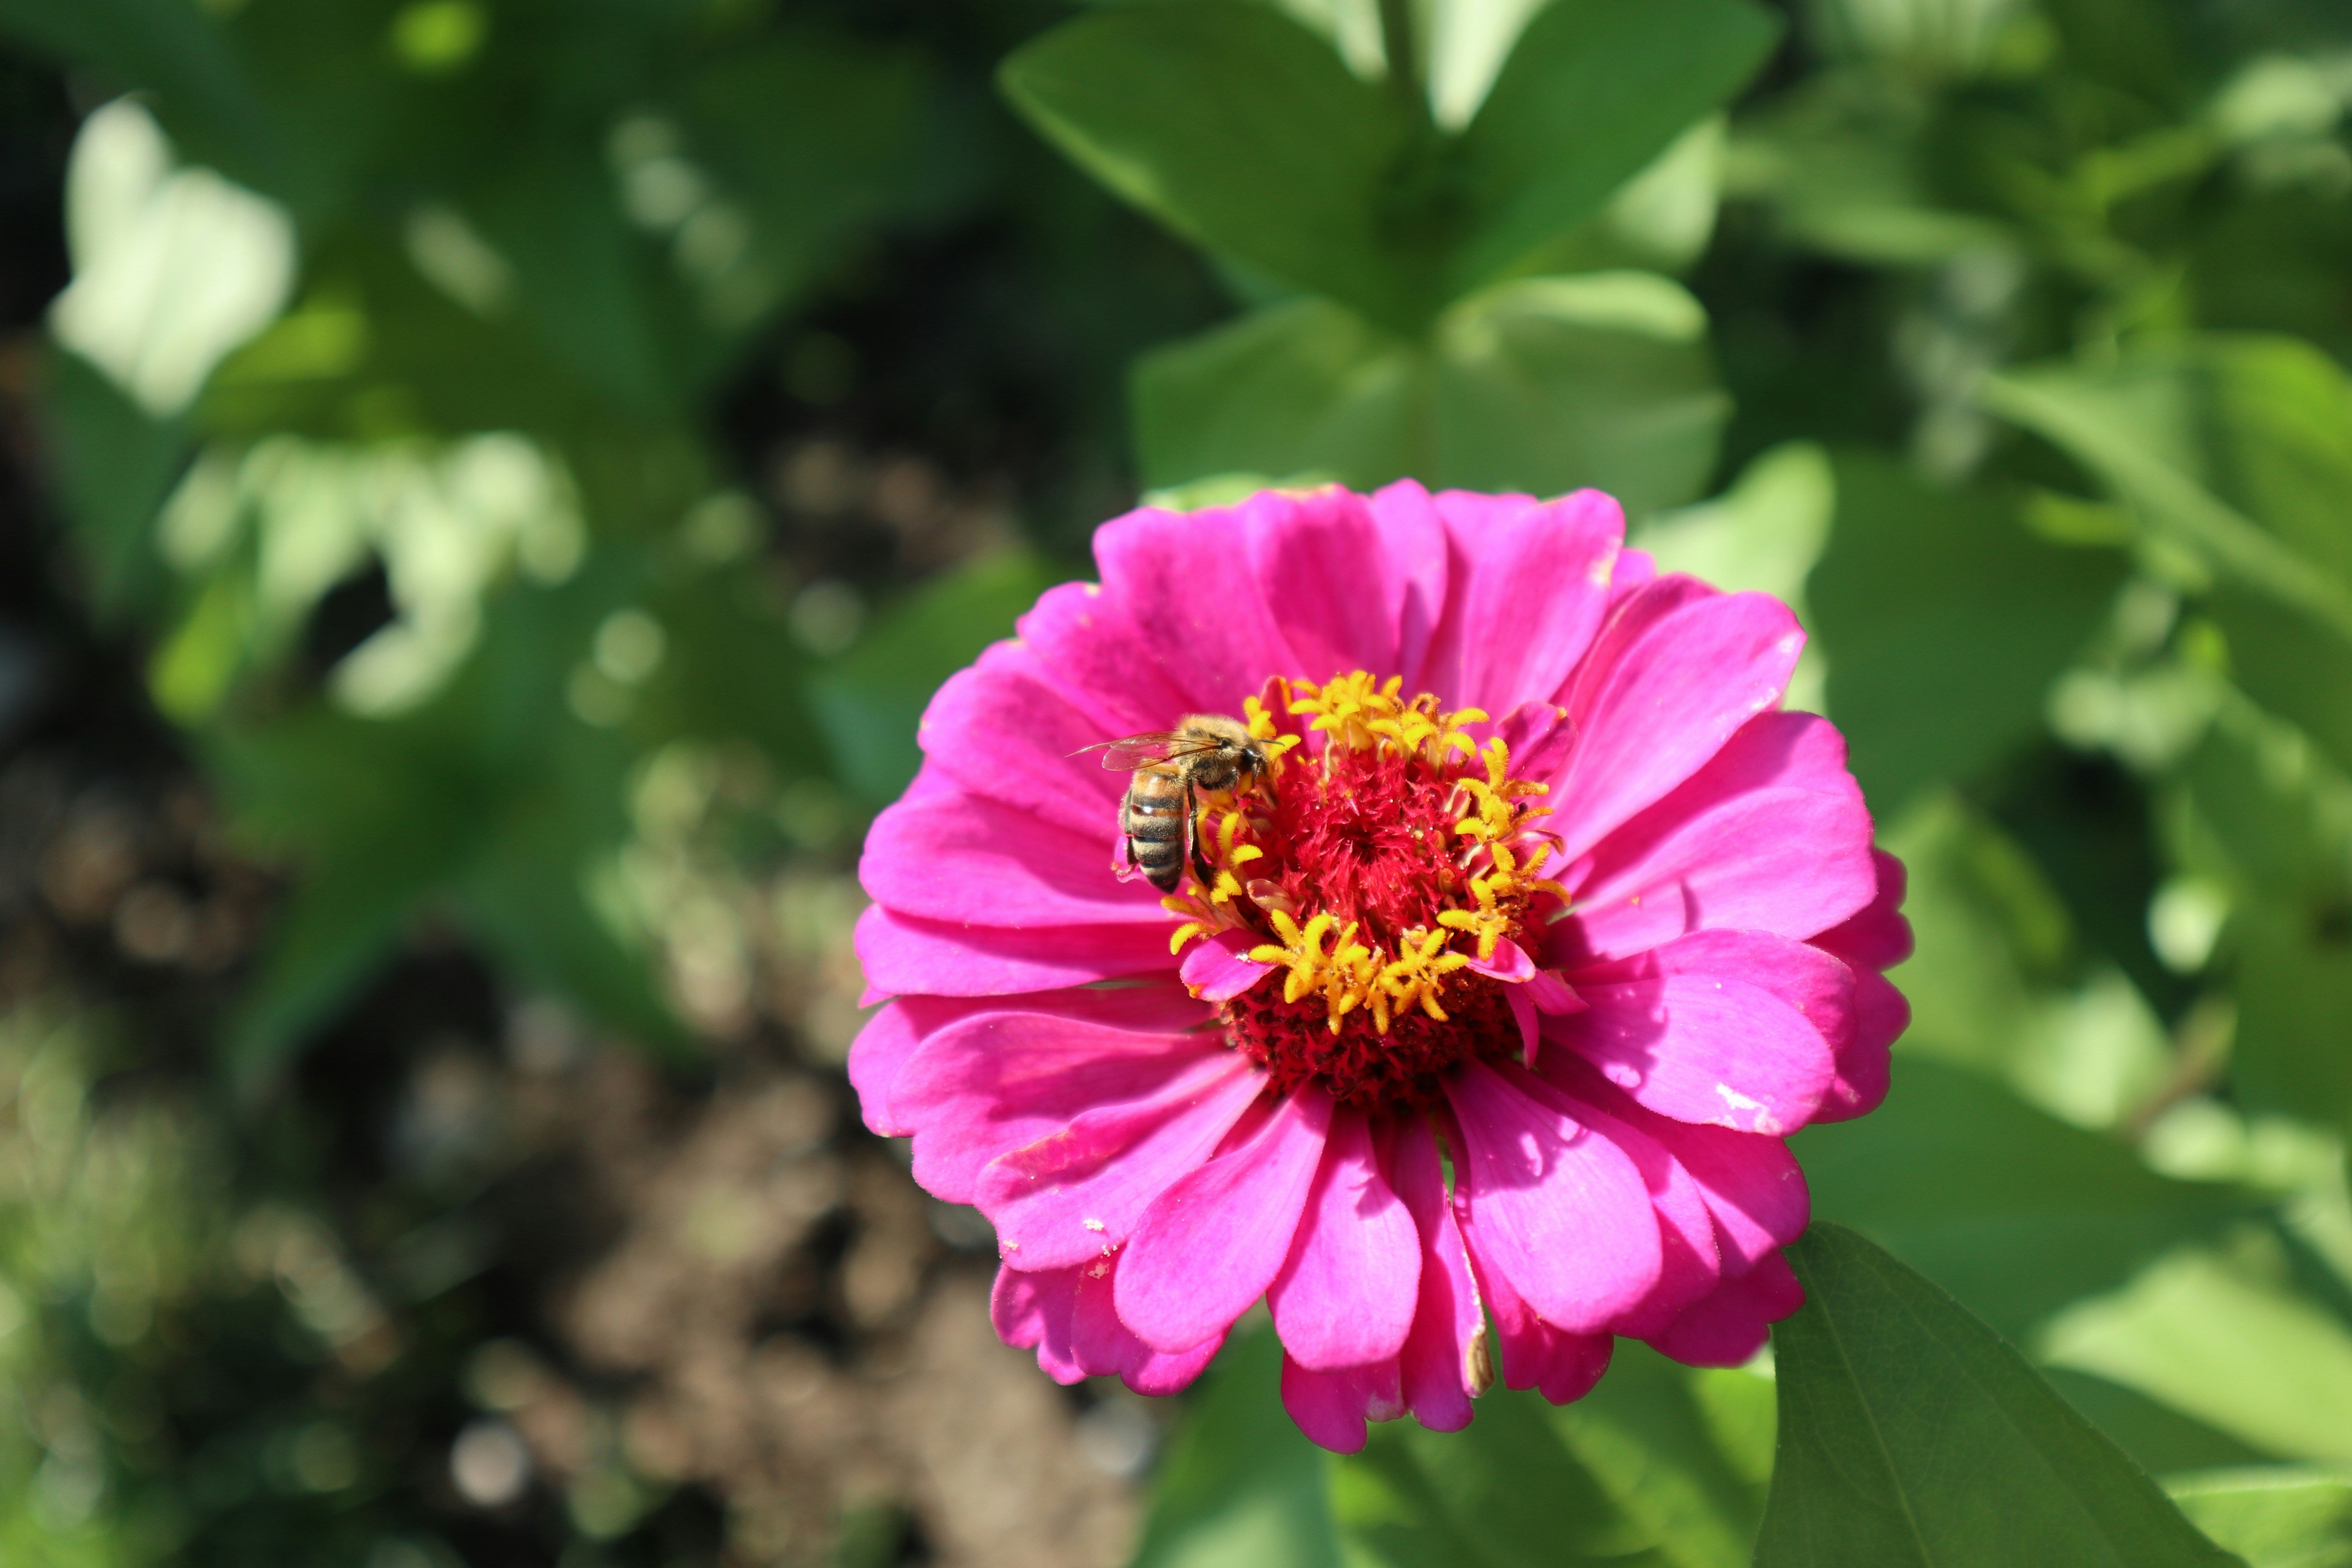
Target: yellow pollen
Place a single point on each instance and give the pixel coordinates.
(1344, 965)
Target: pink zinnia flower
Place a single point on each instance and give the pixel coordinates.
(1495, 994)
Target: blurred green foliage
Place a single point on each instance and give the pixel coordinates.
(2006, 338)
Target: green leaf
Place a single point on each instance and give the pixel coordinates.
(2016, 1212)
(115, 465)
(2224, 1337)
(1240, 1483)
(2235, 448)
(1945, 622)
(1237, 127)
(816, 136)
(1543, 386)
(1505, 1492)
(1912, 1434)
(2261, 812)
(1304, 387)
(2002, 982)
(1594, 90)
(1550, 384)
(489, 805)
(1658, 1451)
(2294, 984)
(203, 86)
(869, 702)
(2157, 1438)
(2287, 1516)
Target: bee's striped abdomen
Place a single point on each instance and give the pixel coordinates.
(1152, 817)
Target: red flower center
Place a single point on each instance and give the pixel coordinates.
(1383, 862)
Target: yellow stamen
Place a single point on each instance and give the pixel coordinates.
(1346, 966)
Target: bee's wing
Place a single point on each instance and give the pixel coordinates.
(1142, 751)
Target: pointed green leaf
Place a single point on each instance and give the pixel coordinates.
(1912, 1436)
(1234, 126)
(115, 465)
(1594, 90)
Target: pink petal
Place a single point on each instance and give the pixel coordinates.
(1526, 586)
(1001, 1078)
(1557, 1210)
(1540, 738)
(1443, 1365)
(1089, 651)
(1689, 1265)
(1550, 994)
(1523, 1012)
(1510, 963)
(1182, 579)
(1107, 1347)
(882, 1048)
(1880, 1016)
(1726, 1027)
(1771, 835)
(948, 856)
(1668, 702)
(1075, 1194)
(1634, 609)
(1033, 1311)
(1000, 732)
(1218, 968)
(1414, 538)
(1559, 1365)
(1331, 1407)
(903, 953)
(1325, 537)
(1345, 1295)
(1731, 1326)
(1878, 937)
(1213, 1240)
(1751, 1184)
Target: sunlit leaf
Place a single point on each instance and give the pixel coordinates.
(2014, 1212)
(1543, 386)
(2280, 1517)
(1241, 1484)
(2223, 1337)
(1911, 1434)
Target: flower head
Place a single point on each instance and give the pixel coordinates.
(1493, 994)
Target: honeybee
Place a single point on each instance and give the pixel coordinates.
(1205, 752)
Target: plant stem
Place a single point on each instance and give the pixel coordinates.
(1403, 58)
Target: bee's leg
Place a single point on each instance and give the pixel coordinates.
(1122, 859)
(1200, 866)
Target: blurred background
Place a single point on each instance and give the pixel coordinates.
(487, 488)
